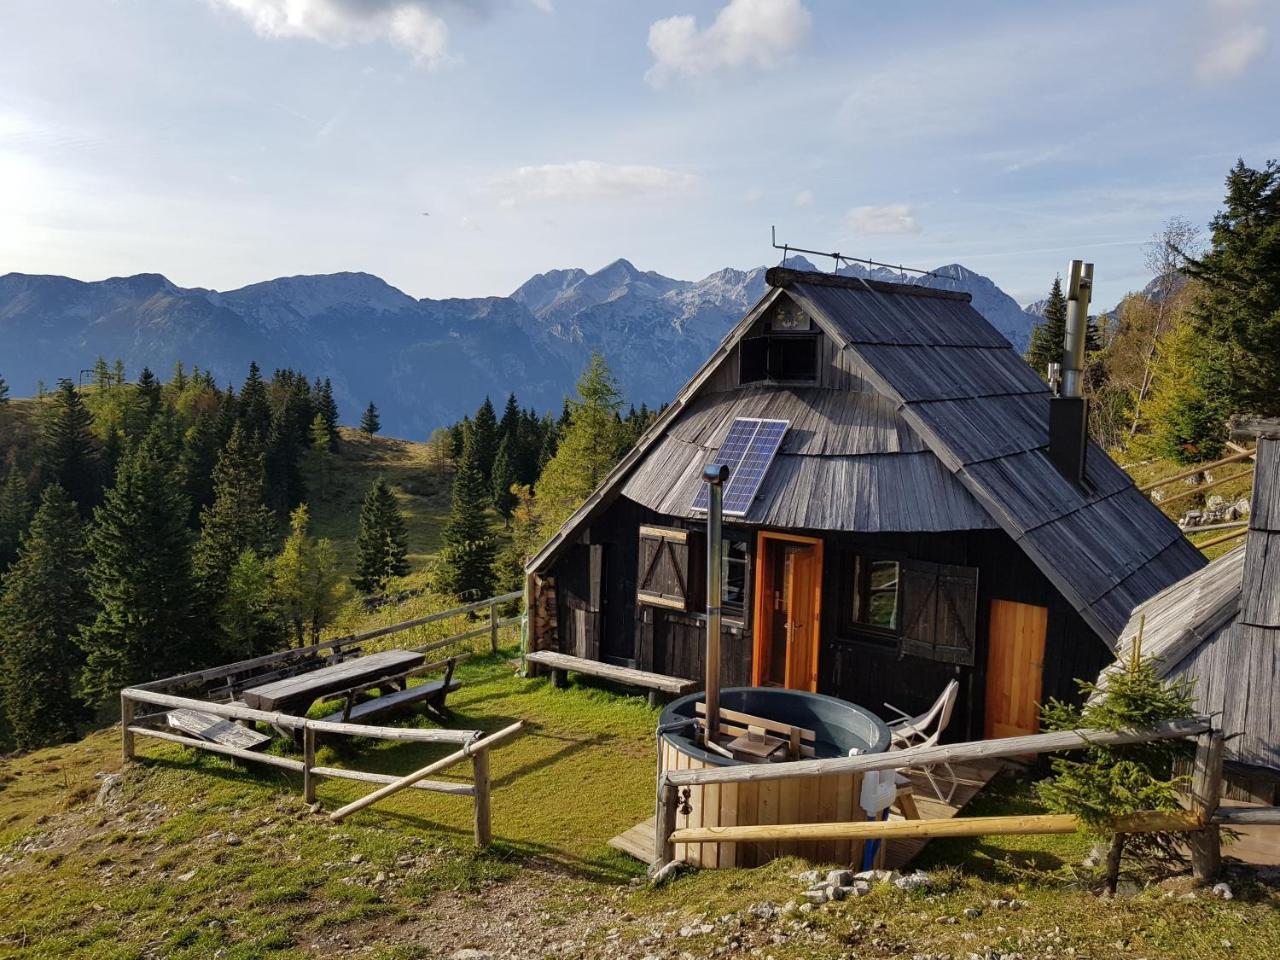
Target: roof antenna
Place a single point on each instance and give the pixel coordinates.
(786, 249)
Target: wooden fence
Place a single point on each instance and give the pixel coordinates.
(1201, 821)
(196, 691)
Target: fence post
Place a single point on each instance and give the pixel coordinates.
(308, 761)
(126, 721)
(493, 626)
(664, 851)
(1206, 791)
(480, 770)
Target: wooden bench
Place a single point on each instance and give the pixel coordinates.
(206, 726)
(656, 683)
(433, 694)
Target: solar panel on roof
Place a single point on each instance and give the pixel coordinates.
(731, 452)
(744, 483)
(747, 451)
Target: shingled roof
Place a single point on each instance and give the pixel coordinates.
(984, 413)
(958, 425)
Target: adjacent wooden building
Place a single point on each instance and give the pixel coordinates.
(911, 528)
(1219, 630)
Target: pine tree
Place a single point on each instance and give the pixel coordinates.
(321, 455)
(4, 392)
(44, 603)
(308, 587)
(468, 555)
(369, 421)
(286, 442)
(237, 521)
(149, 398)
(15, 514)
(1048, 336)
(249, 619)
(1103, 783)
(201, 446)
(485, 436)
(1238, 302)
(68, 452)
(526, 537)
(504, 476)
(327, 408)
(140, 577)
(382, 543)
(588, 447)
(254, 408)
(509, 425)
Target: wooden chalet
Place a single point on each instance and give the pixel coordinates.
(916, 524)
(1219, 629)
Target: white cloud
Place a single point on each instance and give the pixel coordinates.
(589, 180)
(1231, 54)
(888, 218)
(752, 195)
(411, 25)
(804, 198)
(745, 32)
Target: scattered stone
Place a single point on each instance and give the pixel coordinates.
(816, 895)
(839, 878)
(470, 953)
(184, 877)
(807, 907)
(357, 858)
(110, 790)
(1222, 891)
(914, 881)
(315, 807)
(232, 840)
(973, 913)
(380, 877)
(809, 878)
(696, 930)
(763, 911)
(877, 876)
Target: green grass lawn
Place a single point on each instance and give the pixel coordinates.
(159, 874)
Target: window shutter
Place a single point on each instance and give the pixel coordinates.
(957, 615)
(939, 611)
(919, 592)
(664, 569)
(753, 359)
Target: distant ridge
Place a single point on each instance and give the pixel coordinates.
(424, 362)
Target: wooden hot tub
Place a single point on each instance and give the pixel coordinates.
(838, 726)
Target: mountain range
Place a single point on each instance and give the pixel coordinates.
(423, 362)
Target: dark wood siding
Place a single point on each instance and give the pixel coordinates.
(672, 642)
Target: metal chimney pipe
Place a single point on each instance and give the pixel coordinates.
(715, 475)
(1079, 293)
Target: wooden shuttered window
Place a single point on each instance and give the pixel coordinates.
(939, 611)
(667, 568)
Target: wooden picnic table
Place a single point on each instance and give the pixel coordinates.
(296, 694)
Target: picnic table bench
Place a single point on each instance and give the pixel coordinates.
(388, 671)
(296, 694)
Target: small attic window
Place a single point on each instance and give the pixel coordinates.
(787, 357)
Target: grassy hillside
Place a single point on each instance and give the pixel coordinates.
(193, 857)
(421, 483)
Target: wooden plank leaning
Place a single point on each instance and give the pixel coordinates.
(484, 743)
(953, 752)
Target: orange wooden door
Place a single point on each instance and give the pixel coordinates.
(802, 629)
(1015, 668)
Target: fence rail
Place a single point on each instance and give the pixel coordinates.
(473, 744)
(1200, 820)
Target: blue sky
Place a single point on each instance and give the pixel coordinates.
(223, 142)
